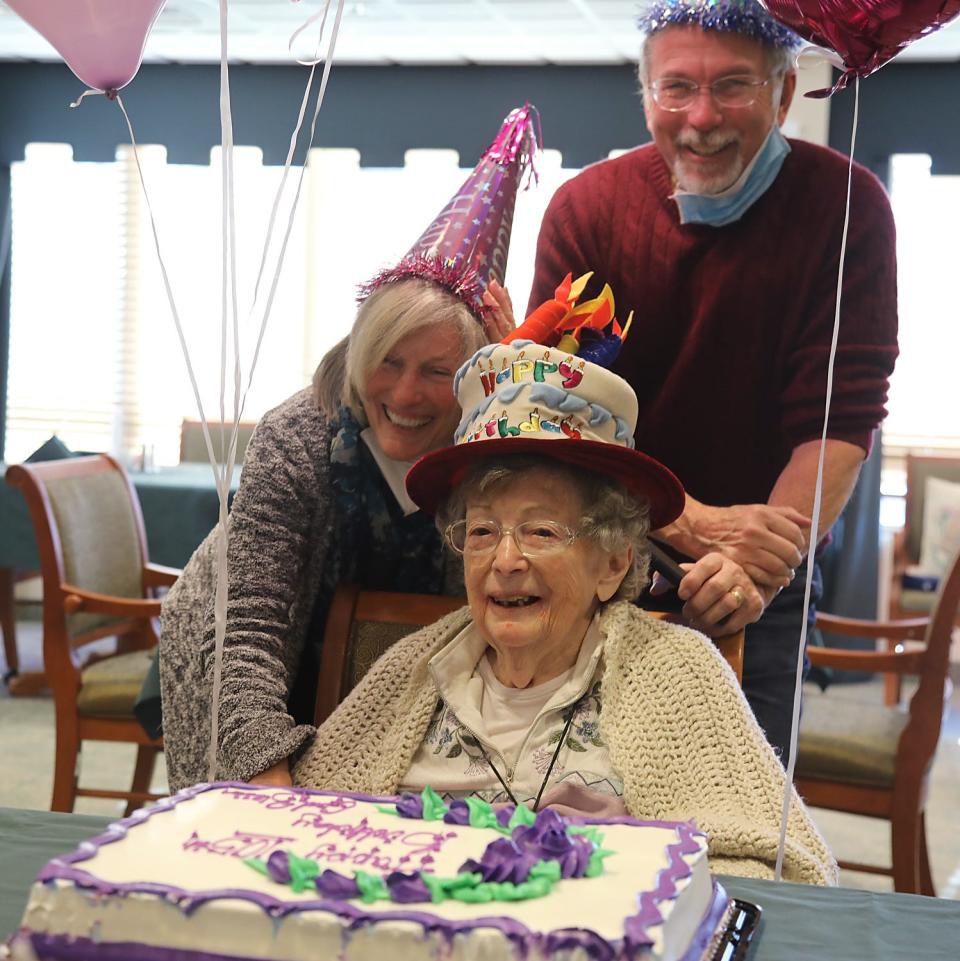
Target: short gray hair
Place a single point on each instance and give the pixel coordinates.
(612, 518)
(780, 60)
(384, 318)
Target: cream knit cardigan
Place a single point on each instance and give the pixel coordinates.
(678, 728)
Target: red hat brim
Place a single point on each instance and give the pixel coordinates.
(435, 476)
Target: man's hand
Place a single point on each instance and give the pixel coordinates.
(498, 320)
(716, 589)
(767, 542)
(277, 776)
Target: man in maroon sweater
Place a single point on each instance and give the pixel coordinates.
(724, 238)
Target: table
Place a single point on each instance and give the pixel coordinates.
(799, 922)
(180, 507)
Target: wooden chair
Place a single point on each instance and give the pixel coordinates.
(96, 578)
(907, 599)
(23, 683)
(873, 759)
(361, 625)
(193, 446)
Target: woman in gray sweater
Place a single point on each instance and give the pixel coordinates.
(321, 501)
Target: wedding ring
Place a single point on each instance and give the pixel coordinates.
(738, 596)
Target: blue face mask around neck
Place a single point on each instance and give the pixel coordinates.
(728, 206)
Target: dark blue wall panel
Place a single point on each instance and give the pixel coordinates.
(381, 111)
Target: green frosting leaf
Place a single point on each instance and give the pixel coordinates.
(443, 888)
(302, 872)
(589, 831)
(521, 817)
(481, 894)
(469, 879)
(433, 806)
(257, 865)
(372, 887)
(546, 869)
(435, 887)
(536, 887)
(595, 865)
(481, 814)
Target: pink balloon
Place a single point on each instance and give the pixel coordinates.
(865, 33)
(101, 41)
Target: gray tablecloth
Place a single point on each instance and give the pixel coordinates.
(799, 922)
(180, 507)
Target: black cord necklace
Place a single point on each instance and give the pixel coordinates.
(553, 760)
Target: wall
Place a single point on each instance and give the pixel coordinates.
(904, 108)
(383, 111)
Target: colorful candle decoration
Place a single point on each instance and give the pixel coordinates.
(568, 344)
(604, 350)
(595, 314)
(542, 324)
(589, 331)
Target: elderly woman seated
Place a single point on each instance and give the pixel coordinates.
(551, 687)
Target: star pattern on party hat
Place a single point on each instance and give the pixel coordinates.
(466, 244)
(746, 17)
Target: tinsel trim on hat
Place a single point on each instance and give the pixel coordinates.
(463, 282)
(518, 141)
(746, 17)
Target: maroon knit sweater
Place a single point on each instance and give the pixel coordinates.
(732, 327)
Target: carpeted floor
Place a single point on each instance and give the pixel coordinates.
(26, 764)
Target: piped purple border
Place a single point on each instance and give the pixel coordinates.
(51, 947)
(710, 925)
(636, 939)
(636, 935)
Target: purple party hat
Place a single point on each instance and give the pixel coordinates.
(466, 244)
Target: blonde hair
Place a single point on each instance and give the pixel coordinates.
(388, 315)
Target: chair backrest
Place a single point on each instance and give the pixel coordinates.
(918, 741)
(193, 446)
(89, 530)
(920, 467)
(362, 625)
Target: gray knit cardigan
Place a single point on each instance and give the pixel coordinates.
(280, 528)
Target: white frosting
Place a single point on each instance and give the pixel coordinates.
(197, 846)
(525, 389)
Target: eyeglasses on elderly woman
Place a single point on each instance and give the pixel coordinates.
(533, 538)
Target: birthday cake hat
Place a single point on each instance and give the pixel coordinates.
(466, 244)
(546, 390)
(747, 17)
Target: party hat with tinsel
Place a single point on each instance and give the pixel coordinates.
(747, 17)
(466, 244)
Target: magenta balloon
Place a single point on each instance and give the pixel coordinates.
(865, 33)
(101, 41)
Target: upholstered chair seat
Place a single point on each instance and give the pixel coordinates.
(875, 760)
(109, 688)
(849, 739)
